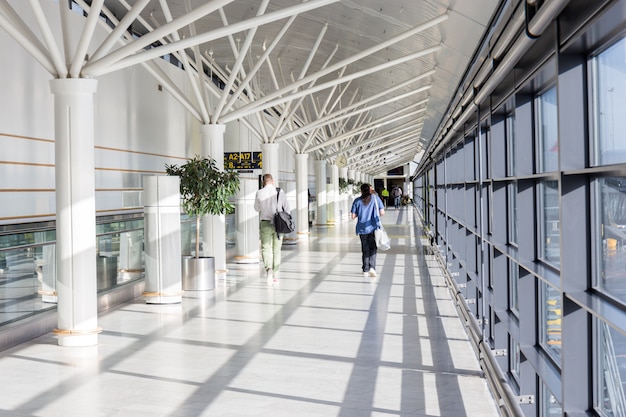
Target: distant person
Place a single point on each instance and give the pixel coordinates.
(367, 209)
(266, 202)
(385, 195)
(397, 196)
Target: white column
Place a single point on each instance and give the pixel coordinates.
(302, 194)
(352, 174)
(320, 188)
(131, 255)
(343, 197)
(75, 211)
(271, 161)
(162, 240)
(247, 221)
(333, 195)
(214, 227)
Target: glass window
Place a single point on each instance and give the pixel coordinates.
(610, 105)
(611, 209)
(610, 372)
(550, 406)
(549, 226)
(512, 206)
(510, 146)
(514, 359)
(550, 316)
(548, 134)
(513, 287)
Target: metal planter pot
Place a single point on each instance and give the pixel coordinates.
(198, 274)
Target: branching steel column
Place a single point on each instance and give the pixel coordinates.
(413, 125)
(299, 103)
(279, 99)
(266, 53)
(152, 68)
(286, 111)
(373, 125)
(132, 47)
(127, 56)
(338, 115)
(244, 110)
(238, 63)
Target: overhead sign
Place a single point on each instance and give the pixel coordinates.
(243, 160)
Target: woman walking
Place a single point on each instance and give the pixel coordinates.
(367, 209)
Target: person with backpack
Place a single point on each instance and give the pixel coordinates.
(268, 200)
(397, 195)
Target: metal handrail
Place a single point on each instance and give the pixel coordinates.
(507, 401)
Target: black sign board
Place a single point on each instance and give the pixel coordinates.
(243, 160)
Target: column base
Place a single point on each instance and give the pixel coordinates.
(77, 338)
(162, 298)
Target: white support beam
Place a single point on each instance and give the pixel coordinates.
(18, 30)
(171, 87)
(413, 126)
(85, 38)
(376, 123)
(399, 142)
(136, 45)
(338, 115)
(265, 103)
(241, 54)
(287, 111)
(196, 83)
(370, 51)
(152, 68)
(46, 32)
(128, 56)
(298, 105)
(266, 53)
(120, 28)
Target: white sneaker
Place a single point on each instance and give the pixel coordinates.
(270, 275)
(365, 275)
(372, 273)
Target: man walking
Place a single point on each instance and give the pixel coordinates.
(397, 195)
(267, 201)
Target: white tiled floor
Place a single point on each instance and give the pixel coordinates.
(323, 342)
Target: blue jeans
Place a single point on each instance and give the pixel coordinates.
(271, 244)
(369, 250)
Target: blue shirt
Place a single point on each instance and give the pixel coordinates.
(367, 221)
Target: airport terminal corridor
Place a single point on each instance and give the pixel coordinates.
(324, 341)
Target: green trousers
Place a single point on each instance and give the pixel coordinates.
(271, 244)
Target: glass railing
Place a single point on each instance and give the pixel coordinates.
(28, 270)
(28, 260)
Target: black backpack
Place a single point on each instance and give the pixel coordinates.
(283, 222)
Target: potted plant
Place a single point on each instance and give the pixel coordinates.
(204, 189)
(343, 185)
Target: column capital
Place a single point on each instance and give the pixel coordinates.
(73, 86)
(213, 130)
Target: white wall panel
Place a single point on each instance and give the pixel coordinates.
(139, 127)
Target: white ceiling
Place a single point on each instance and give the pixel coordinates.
(383, 130)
